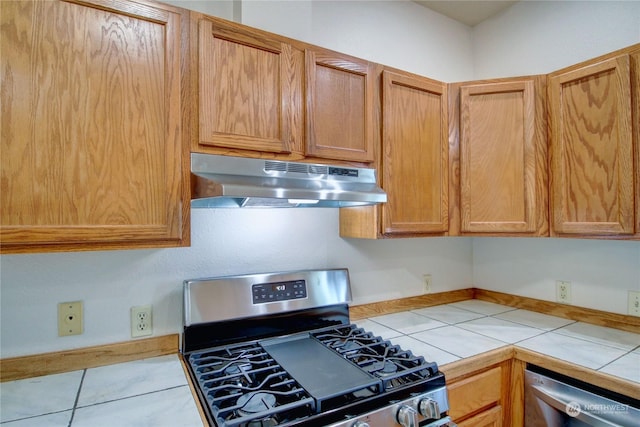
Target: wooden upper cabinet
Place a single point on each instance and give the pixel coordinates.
(92, 127)
(503, 178)
(592, 149)
(635, 84)
(250, 89)
(340, 121)
(414, 155)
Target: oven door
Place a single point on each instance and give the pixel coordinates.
(552, 403)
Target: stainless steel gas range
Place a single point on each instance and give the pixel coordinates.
(277, 349)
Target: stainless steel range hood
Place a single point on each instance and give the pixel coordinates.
(232, 182)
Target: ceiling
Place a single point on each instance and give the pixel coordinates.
(470, 13)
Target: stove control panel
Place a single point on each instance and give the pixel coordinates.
(263, 293)
(424, 410)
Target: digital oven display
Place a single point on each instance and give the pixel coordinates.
(280, 291)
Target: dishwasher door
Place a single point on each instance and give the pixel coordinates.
(549, 402)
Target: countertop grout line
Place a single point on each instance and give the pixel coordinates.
(6, 422)
(435, 346)
(611, 361)
(133, 396)
(592, 341)
(75, 403)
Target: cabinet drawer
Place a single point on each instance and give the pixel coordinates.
(489, 418)
(470, 395)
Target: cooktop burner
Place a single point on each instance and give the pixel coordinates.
(245, 386)
(379, 357)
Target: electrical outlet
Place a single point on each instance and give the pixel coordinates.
(563, 291)
(141, 321)
(634, 303)
(69, 318)
(427, 281)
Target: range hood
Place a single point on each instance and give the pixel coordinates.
(232, 182)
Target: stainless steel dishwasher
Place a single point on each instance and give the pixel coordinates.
(554, 400)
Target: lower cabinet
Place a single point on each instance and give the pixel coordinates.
(479, 398)
(489, 418)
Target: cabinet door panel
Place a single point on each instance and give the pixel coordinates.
(489, 418)
(635, 83)
(592, 149)
(498, 157)
(91, 130)
(339, 107)
(415, 155)
(246, 86)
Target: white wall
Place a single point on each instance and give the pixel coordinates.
(223, 242)
(601, 272)
(538, 37)
(397, 33)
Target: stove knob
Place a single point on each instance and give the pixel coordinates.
(429, 408)
(407, 416)
(360, 424)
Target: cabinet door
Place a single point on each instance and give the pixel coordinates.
(249, 89)
(489, 418)
(478, 394)
(339, 107)
(414, 154)
(502, 157)
(635, 84)
(92, 138)
(592, 149)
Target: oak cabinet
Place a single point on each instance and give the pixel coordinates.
(635, 84)
(489, 418)
(250, 89)
(501, 157)
(93, 143)
(265, 95)
(339, 100)
(480, 399)
(593, 141)
(414, 162)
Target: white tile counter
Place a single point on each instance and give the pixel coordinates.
(149, 392)
(154, 392)
(450, 332)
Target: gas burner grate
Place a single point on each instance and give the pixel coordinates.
(394, 366)
(245, 387)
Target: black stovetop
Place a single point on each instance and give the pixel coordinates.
(312, 378)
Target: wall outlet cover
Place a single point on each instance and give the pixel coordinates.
(427, 283)
(141, 321)
(70, 318)
(563, 291)
(634, 303)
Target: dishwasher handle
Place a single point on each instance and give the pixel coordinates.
(559, 404)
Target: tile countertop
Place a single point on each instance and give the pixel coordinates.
(154, 392)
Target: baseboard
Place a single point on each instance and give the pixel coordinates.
(582, 314)
(363, 311)
(16, 368)
(588, 315)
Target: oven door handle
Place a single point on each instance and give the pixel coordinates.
(571, 408)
